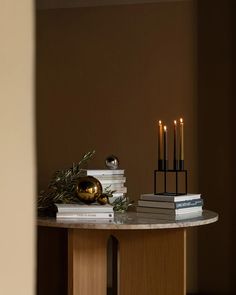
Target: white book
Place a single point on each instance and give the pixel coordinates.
(97, 172)
(115, 186)
(167, 217)
(153, 197)
(84, 208)
(113, 182)
(111, 178)
(169, 211)
(84, 215)
(171, 205)
(118, 190)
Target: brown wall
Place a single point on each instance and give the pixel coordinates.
(105, 76)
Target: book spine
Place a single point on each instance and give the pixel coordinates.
(102, 172)
(122, 190)
(154, 204)
(85, 215)
(169, 211)
(111, 181)
(86, 211)
(187, 204)
(111, 178)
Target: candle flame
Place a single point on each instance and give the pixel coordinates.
(160, 122)
(181, 120)
(165, 128)
(175, 122)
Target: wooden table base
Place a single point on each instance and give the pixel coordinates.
(151, 262)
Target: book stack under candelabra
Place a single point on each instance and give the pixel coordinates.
(112, 180)
(170, 207)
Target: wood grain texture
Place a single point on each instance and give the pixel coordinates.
(149, 262)
(87, 257)
(152, 262)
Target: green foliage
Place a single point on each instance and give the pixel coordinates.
(62, 187)
(121, 204)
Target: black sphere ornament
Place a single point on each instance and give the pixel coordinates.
(112, 162)
(88, 189)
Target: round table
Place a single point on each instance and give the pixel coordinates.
(150, 253)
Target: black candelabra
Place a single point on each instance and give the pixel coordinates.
(178, 161)
(165, 176)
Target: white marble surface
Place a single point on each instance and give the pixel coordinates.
(129, 221)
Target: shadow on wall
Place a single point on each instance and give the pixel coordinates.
(217, 268)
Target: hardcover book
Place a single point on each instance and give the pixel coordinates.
(111, 181)
(168, 198)
(116, 188)
(111, 178)
(85, 215)
(170, 211)
(97, 172)
(84, 208)
(171, 205)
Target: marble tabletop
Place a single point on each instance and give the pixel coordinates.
(129, 221)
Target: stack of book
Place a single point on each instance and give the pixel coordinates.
(84, 211)
(170, 207)
(111, 180)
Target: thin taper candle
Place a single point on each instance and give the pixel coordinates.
(175, 158)
(160, 146)
(181, 149)
(165, 148)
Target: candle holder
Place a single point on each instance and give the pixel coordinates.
(166, 174)
(162, 165)
(181, 165)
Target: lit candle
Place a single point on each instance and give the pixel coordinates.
(160, 146)
(181, 146)
(175, 161)
(165, 148)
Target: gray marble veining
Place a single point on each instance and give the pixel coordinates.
(129, 221)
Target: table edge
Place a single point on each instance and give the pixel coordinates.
(53, 223)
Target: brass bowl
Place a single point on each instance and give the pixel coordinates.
(88, 189)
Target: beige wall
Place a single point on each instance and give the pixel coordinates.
(105, 76)
(17, 165)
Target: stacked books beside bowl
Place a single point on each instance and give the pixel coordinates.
(84, 211)
(170, 207)
(111, 180)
